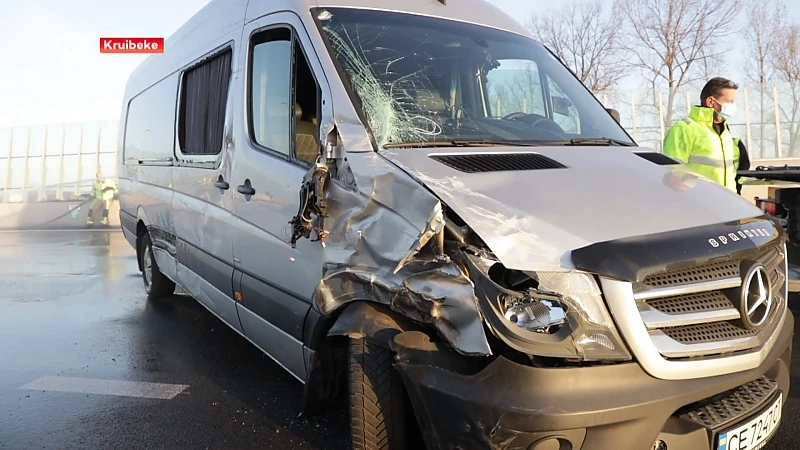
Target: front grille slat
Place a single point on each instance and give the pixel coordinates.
(689, 303)
(707, 272)
(707, 332)
(738, 403)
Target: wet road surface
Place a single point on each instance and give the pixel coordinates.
(76, 333)
(72, 306)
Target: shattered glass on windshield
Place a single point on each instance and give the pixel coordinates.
(423, 79)
(392, 98)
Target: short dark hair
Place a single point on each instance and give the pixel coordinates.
(714, 88)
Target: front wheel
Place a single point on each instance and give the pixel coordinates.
(377, 398)
(156, 284)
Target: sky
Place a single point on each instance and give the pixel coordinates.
(51, 70)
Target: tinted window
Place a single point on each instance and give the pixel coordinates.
(150, 122)
(203, 100)
(270, 90)
(428, 79)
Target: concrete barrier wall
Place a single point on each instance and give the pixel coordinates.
(51, 215)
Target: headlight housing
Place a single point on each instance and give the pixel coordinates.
(563, 316)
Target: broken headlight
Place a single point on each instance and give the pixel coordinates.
(591, 332)
(534, 311)
(557, 314)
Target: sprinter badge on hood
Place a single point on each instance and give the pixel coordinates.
(742, 234)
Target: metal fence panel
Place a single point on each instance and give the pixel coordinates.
(55, 162)
(59, 161)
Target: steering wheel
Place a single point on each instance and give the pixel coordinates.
(518, 114)
(534, 120)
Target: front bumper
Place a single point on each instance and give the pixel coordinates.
(506, 405)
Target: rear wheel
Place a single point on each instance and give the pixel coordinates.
(378, 402)
(156, 284)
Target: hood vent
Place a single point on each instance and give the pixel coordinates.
(657, 158)
(498, 162)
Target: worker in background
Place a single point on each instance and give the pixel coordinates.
(103, 191)
(703, 139)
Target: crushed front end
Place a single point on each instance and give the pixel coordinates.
(666, 340)
(657, 342)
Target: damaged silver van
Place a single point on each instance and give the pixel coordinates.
(414, 207)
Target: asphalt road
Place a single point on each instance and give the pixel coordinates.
(72, 306)
(87, 362)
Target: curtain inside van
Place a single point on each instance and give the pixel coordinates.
(205, 94)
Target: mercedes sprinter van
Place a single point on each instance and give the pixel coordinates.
(416, 207)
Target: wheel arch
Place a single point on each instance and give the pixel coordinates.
(326, 343)
(141, 229)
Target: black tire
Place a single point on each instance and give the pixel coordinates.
(377, 398)
(156, 284)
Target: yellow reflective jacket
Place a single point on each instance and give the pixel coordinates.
(694, 141)
(103, 189)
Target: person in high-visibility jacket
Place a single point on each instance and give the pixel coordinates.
(103, 191)
(703, 139)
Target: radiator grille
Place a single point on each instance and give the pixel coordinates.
(708, 317)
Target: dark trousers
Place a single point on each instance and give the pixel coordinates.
(97, 204)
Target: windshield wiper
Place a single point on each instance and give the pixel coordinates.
(490, 143)
(600, 141)
(464, 143)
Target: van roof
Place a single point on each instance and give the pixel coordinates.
(474, 11)
(221, 17)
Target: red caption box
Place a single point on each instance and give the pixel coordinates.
(131, 45)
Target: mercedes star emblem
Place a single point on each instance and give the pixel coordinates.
(756, 302)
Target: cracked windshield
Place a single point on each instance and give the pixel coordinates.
(425, 80)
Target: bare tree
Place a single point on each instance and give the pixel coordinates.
(586, 38)
(668, 38)
(709, 61)
(763, 18)
(786, 62)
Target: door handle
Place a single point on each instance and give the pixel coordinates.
(246, 188)
(222, 184)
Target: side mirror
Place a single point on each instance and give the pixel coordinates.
(561, 106)
(614, 113)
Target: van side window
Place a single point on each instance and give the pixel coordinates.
(149, 124)
(270, 90)
(204, 95)
(306, 108)
(284, 96)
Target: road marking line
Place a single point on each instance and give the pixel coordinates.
(107, 387)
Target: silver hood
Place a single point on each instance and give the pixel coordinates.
(533, 219)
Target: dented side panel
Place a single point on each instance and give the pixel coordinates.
(378, 222)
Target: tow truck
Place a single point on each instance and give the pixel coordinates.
(782, 203)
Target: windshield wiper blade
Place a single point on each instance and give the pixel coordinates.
(465, 143)
(491, 143)
(600, 141)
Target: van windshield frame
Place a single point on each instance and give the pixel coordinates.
(419, 79)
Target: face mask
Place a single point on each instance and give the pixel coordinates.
(727, 110)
